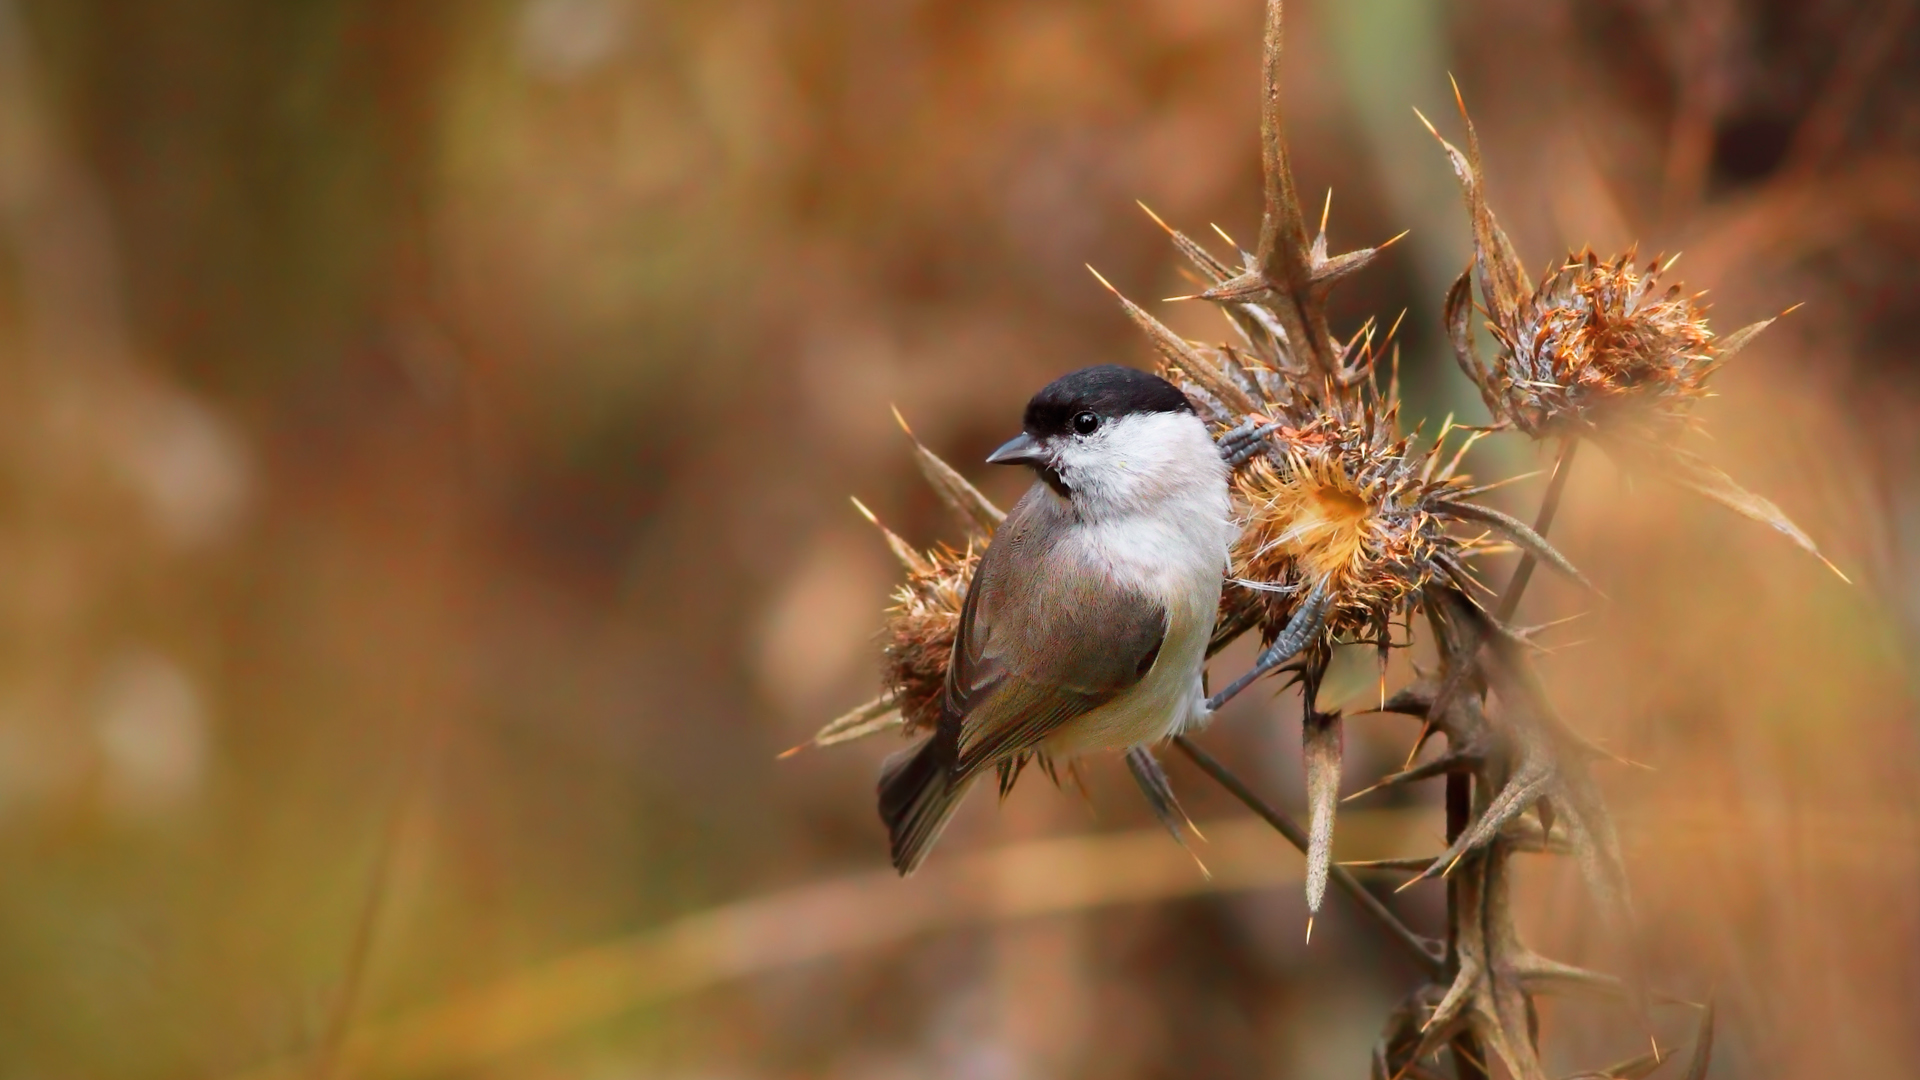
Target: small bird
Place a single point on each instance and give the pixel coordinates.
(1086, 625)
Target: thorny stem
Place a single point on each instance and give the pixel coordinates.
(1424, 952)
(1549, 506)
(1468, 1053)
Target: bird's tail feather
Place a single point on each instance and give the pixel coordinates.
(918, 793)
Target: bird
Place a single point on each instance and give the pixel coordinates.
(1085, 627)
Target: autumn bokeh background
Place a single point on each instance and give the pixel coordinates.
(426, 431)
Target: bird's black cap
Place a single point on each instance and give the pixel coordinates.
(1107, 391)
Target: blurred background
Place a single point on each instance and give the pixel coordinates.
(426, 431)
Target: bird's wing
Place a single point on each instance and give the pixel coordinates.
(1039, 647)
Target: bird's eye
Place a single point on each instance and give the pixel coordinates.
(1086, 423)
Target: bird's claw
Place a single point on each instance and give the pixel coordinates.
(1239, 445)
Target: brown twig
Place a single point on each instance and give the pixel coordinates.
(1469, 1056)
(1549, 507)
(1424, 951)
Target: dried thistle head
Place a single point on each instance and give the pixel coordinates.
(1600, 346)
(925, 614)
(1341, 504)
(1595, 351)
(920, 630)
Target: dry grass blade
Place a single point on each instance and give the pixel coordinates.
(576, 992)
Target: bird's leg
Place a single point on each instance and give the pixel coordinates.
(1305, 626)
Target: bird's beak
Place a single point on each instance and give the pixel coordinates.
(1022, 449)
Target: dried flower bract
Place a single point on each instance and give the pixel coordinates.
(1600, 346)
(1340, 506)
(1595, 351)
(919, 635)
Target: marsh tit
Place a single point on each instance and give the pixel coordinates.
(1086, 625)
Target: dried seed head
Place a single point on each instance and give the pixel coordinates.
(1331, 496)
(920, 630)
(1595, 351)
(1600, 347)
(1340, 502)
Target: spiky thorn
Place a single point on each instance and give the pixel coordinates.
(1202, 259)
(875, 716)
(1424, 951)
(1415, 863)
(1542, 759)
(1489, 998)
(1503, 278)
(1257, 326)
(1393, 1054)
(1286, 272)
(1326, 271)
(1183, 355)
(1153, 783)
(915, 562)
(1470, 742)
(1453, 761)
(979, 515)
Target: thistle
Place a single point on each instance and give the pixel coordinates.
(1599, 348)
(925, 615)
(1345, 526)
(1595, 351)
